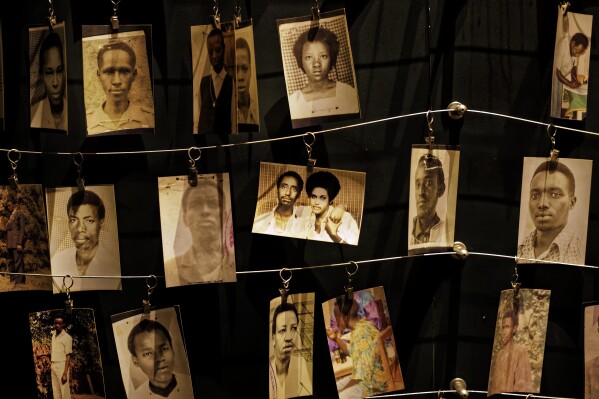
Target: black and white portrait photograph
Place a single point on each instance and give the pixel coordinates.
(571, 61)
(197, 229)
(24, 239)
(213, 64)
(83, 238)
(591, 350)
(554, 210)
(66, 354)
(246, 83)
(117, 80)
(519, 344)
(319, 69)
(291, 346)
(152, 355)
(325, 205)
(361, 344)
(433, 197)
(48, 78)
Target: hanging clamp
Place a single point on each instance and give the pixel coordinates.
(515, 283)
(68, 304)
(192, 177)
(51, 16)
(151, 283)
(430, 139)
(551, 132)
(13, 179)
(284, 290)
(563, 6)
(349, 289)
(237, 16)
(78, 160)
(315, 12)
(215, 15)
(311, 162)
(114, 20)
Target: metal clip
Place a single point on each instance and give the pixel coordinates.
(349, 289)
(285, 284)
(78, 162)
(68, 304)
(215, 15)
(51, 16)
(114, 20)
(515, 283)
(551, 132)
(13, 179)
(192, 178)
(430, 140)
(146, 302)
(563, 6)
(237, 16)
(311, 162)
(315, 12)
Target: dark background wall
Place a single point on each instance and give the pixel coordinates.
(490, 55)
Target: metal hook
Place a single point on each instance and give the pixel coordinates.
(311, 161)
(79, 163)
(284, 291)
(551, 132)
(146, 302)
(68, 304)
(237, 15)
(316, 12)
(515, 283)
(114, 20)
(14, 180)
(563, 5)
(51, 16)
(348, 288)
(193, 171)
(430, 140)
(215, 15)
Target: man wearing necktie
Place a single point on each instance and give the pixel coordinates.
(216, 89)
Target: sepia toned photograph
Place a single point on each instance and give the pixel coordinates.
(591, 350)
(291, 346)
(84, 239)
(117, 80)
(433, 197)
(151, 353)
(197, 229)
(319, 69)
(213, 63)
(48, 78)
(571, 61)
(361, 344)
(519, 345)
(23, 239)
(66, 354)
(329, 211)
(554, 210)
(246, 83)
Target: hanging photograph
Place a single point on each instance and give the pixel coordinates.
(197, 229)
(246, 84)
(433, 197)
(319, 69)
(66, 354)
(291, 346)
(361, 344)
(151, 353)
(330, 210)
(24, 247)
(83, 238)
(117, 79)
(591, 350)
(213, 62)
(571, 61)
(519, 345)
(48, 78)
(554, 210)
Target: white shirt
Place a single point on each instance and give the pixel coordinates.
(62, 345)
(217, 80)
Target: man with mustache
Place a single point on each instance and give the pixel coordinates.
(289, 377)
(151, 348)
(429, 184)
(117, 71)
(552, 197)
(210, 256)
(86, 212)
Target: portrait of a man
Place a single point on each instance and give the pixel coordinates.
(66, 354)
(246, 84)
(591, 350)
(329, 211)
(518, 348)
(48, 78)
(84, 238)
(117, 83)
(199, 247)
(319, 69)
(151, 353)
(571, 62)
(433, 197)
(362, 344)
(554, 210)
(292, 333)
(213, 58)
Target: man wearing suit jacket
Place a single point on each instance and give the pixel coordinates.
(15, 236)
